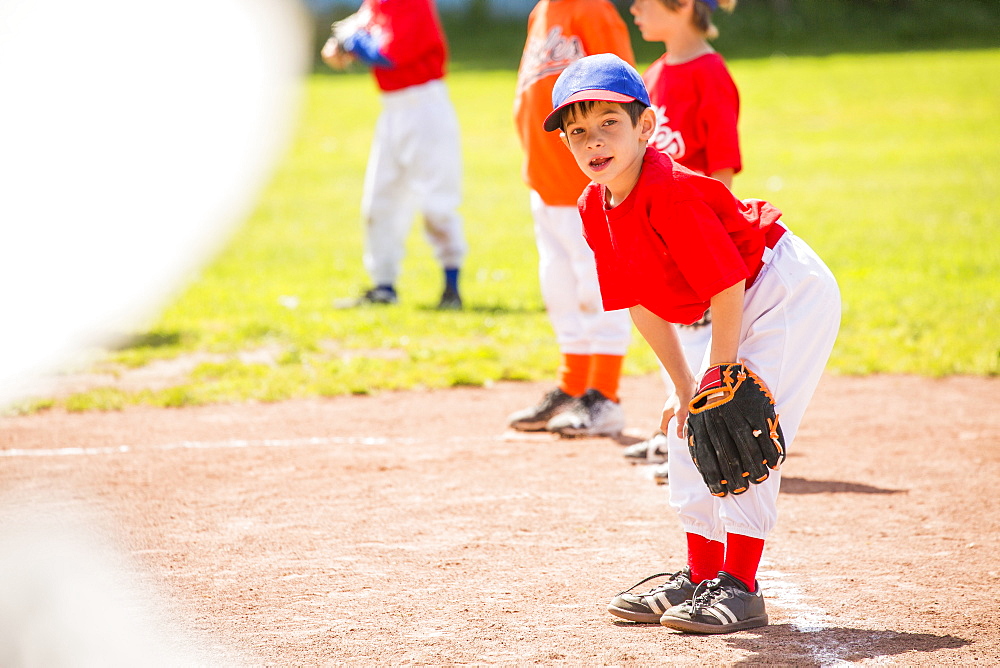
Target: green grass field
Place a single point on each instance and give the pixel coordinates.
(886, 164)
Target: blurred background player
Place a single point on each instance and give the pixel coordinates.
(592, 343)
(415, 159)
(697, 106)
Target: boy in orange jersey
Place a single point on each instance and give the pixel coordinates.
(592, 343)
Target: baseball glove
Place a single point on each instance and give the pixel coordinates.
(733, 431)
(343, 29)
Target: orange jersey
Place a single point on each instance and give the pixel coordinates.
(559, 33)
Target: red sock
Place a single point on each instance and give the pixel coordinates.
(743, 557)
(704, 557)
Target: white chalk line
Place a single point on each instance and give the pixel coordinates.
(807, 618)
(234, 443)
(200, 445)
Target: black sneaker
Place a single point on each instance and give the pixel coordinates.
(648, 608)
(380, 294)
(593, 414)
(450, 300)
(536, 417)
(722, 605)
(706, 319)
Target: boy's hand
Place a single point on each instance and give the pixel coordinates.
(677, 407)
(334, 55)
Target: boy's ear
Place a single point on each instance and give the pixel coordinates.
(647, 123)
(564, 138)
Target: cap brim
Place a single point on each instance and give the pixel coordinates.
(552, 120)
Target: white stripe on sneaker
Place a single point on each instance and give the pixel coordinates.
(661, 603)
(723, 614)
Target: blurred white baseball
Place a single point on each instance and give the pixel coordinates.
(133, 136)
(71, 596)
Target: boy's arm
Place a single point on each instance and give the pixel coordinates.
(727, 319)
(365, 48)
(724, 175)
(333, 52)
(662, 338)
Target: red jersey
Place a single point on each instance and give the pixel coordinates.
(409, 34)
(697, 106)
(676, 241)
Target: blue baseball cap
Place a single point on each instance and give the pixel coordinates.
(601, 78)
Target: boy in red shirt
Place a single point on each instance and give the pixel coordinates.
(415, 159)
(697, 107)
(669, 244)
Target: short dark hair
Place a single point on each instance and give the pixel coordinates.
(634, 110)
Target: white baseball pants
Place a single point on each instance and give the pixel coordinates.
(790, 321)
(570, 289)
(415, 164)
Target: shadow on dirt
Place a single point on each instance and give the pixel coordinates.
(785, 644)
(790, 485)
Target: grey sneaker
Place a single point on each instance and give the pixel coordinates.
(652, 450)
(660, 474)
(593, 414)
(450, 300)
(536, 417)
(648, 608)
(722, 605)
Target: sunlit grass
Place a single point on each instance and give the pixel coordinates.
(886, 164)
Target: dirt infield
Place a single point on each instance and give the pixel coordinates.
(409, 528)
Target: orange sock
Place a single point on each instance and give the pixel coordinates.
(573, 374)
(605, 372)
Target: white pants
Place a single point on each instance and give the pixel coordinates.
(415, 163)
(791, 316)
(572, 295)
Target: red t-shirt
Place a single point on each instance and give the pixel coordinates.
(676, 241)
(697, 107)
(409, 34)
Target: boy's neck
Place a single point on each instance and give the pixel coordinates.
(613, 199)
(686, 48)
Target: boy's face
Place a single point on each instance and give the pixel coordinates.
(656, 21)
(607, 146)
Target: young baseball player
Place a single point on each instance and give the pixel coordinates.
(592, 343)
(415, 159)
(670, 243)
(697, 106)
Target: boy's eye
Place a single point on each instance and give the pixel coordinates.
(611, 121)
